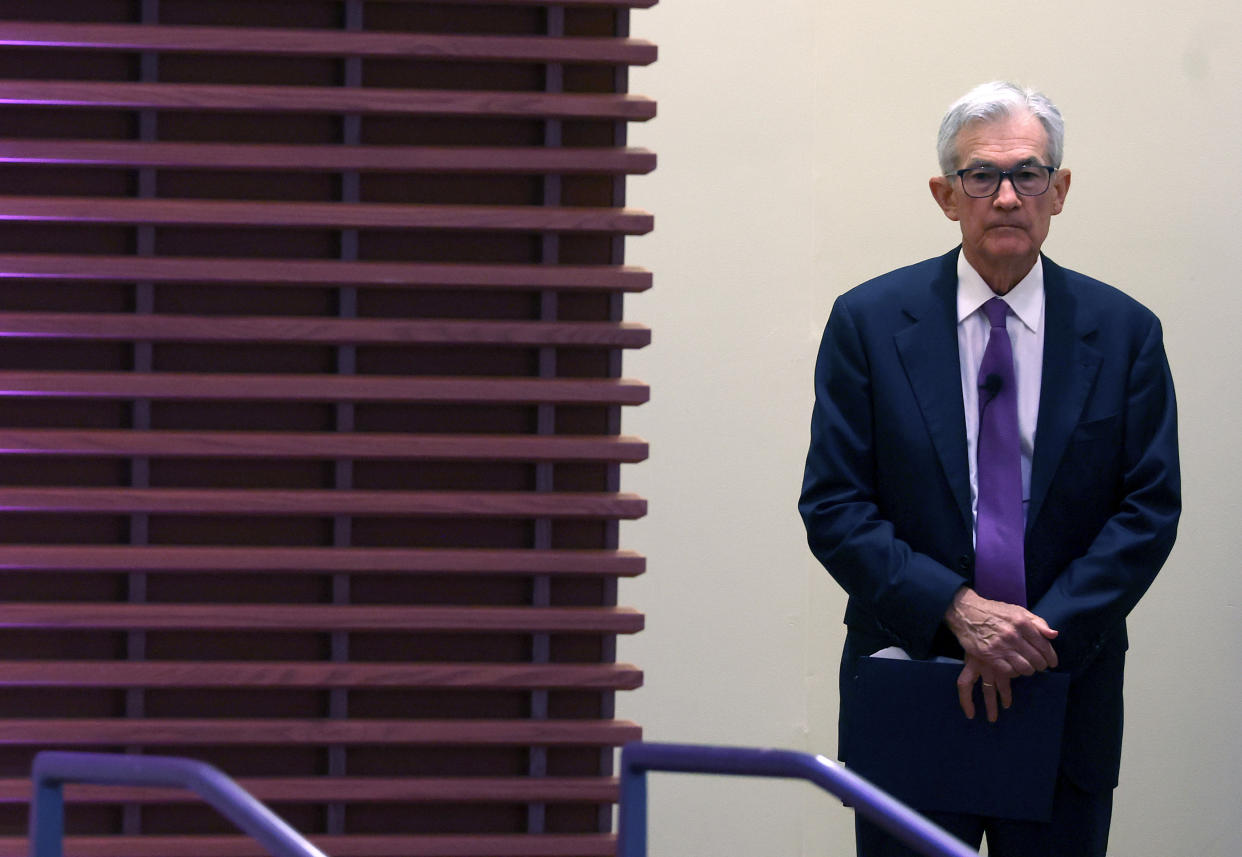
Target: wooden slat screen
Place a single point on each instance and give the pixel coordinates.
(311, 336)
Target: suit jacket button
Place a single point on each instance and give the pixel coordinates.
(964, 562)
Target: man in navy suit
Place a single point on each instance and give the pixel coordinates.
(890, 496)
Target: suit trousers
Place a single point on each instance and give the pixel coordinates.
(1078, 828)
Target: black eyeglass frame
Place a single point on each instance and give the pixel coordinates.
(1001, 175)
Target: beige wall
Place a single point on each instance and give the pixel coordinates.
(795, 141)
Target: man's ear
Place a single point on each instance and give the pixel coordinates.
(1060, 187)
(942, 191)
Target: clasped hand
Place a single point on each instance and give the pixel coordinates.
(1001, 641)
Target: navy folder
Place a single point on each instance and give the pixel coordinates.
(914, 742)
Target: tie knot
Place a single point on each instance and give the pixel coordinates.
(996, 310)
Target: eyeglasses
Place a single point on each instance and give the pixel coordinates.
(1027, 179)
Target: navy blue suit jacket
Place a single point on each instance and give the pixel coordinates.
(886, 494)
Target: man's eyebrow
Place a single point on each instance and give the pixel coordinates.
(975, 163)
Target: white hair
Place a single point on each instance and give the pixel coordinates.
(989, 102)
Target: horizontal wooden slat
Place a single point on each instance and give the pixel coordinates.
(364, 445)
(152, 732)
(319, 388)
(319, 42)
(424, 845)
(319, 617)
(354, 790)
(329, 215)
(300, 560)
(273, 156)
(247, 501)
(314, 99)
(223, 674)
(319, 330)
(308, 272)
(619, 4)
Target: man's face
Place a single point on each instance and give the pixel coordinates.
(1002, 233)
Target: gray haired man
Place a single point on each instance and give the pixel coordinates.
(993, 468)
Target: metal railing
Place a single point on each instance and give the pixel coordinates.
(874, 804)
(52, 769)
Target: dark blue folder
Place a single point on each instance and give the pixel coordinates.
(915, 743)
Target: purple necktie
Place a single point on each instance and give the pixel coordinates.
(1000, 572)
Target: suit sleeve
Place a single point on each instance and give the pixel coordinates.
(1089, 600)
(905, 592)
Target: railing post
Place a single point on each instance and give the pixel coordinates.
(52, 769)
(47, 819)
(632, 815)
(873, 803)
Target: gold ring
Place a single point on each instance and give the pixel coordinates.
(988, 684)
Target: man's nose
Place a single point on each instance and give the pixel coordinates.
(1006, 196)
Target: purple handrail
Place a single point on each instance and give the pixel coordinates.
(52, 769)
(875, 805)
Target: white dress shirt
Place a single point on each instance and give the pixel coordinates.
(1025, 325)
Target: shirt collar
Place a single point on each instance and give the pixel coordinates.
(1026, 299)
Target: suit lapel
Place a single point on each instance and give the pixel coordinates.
(928, 351)
(1070, 367)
